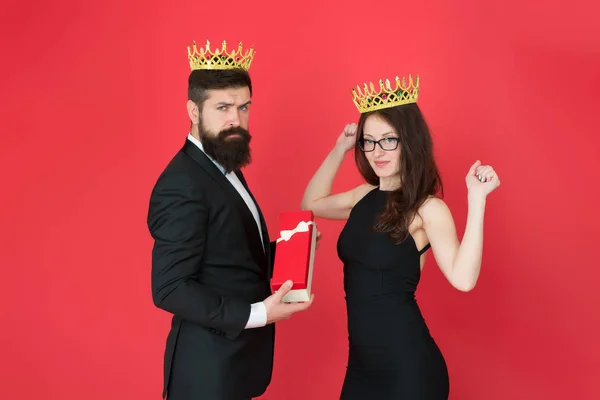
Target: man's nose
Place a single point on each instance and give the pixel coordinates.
(234, 118)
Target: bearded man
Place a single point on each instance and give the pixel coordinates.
(212, 258)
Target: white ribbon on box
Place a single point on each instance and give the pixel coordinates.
(301, 227)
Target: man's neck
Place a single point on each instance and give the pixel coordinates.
(198, 143)
(195, 132)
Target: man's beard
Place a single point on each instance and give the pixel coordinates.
(231, 153)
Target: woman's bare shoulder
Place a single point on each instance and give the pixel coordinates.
(433, 207)
(361, 191)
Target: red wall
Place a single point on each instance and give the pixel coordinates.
(93, 106)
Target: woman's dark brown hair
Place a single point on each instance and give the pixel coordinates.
(419, 174)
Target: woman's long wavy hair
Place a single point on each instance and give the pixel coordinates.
(419, 174)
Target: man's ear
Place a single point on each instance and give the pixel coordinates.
(193, 112)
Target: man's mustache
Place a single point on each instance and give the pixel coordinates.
(236, 130)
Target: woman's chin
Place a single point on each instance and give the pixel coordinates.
(384, 172)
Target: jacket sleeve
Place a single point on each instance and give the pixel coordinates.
(178, 223)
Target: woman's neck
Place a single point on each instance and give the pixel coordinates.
(389, 183)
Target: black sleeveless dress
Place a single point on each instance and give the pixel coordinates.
(391, 352)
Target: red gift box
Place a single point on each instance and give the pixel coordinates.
(295, 254)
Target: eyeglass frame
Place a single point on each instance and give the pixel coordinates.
(378, 142)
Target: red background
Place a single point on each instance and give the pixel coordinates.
(93, 106)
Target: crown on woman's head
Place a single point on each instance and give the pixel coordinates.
(219, 58)
(371, 99)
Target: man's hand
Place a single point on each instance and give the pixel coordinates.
(277, 310)
(318, 238)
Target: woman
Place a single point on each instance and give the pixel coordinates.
(392, 220)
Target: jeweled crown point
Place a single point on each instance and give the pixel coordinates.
(386, 96)
(204, 58)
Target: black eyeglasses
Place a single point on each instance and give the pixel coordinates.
(387, 144)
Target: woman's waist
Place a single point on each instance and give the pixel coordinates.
(381, 308)
(384, 319)
(374, 283)
(366, 297)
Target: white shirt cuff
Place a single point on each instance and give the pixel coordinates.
(258, 316)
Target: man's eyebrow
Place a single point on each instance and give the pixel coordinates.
(224, 103)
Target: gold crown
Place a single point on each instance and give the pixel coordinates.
(220, 58)
(371, 99)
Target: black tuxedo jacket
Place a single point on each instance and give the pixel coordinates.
(208, 266)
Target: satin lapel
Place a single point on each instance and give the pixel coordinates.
(251, 229)
(263, 224)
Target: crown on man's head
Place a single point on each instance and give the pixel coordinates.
(204, 58)
(371, 99)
